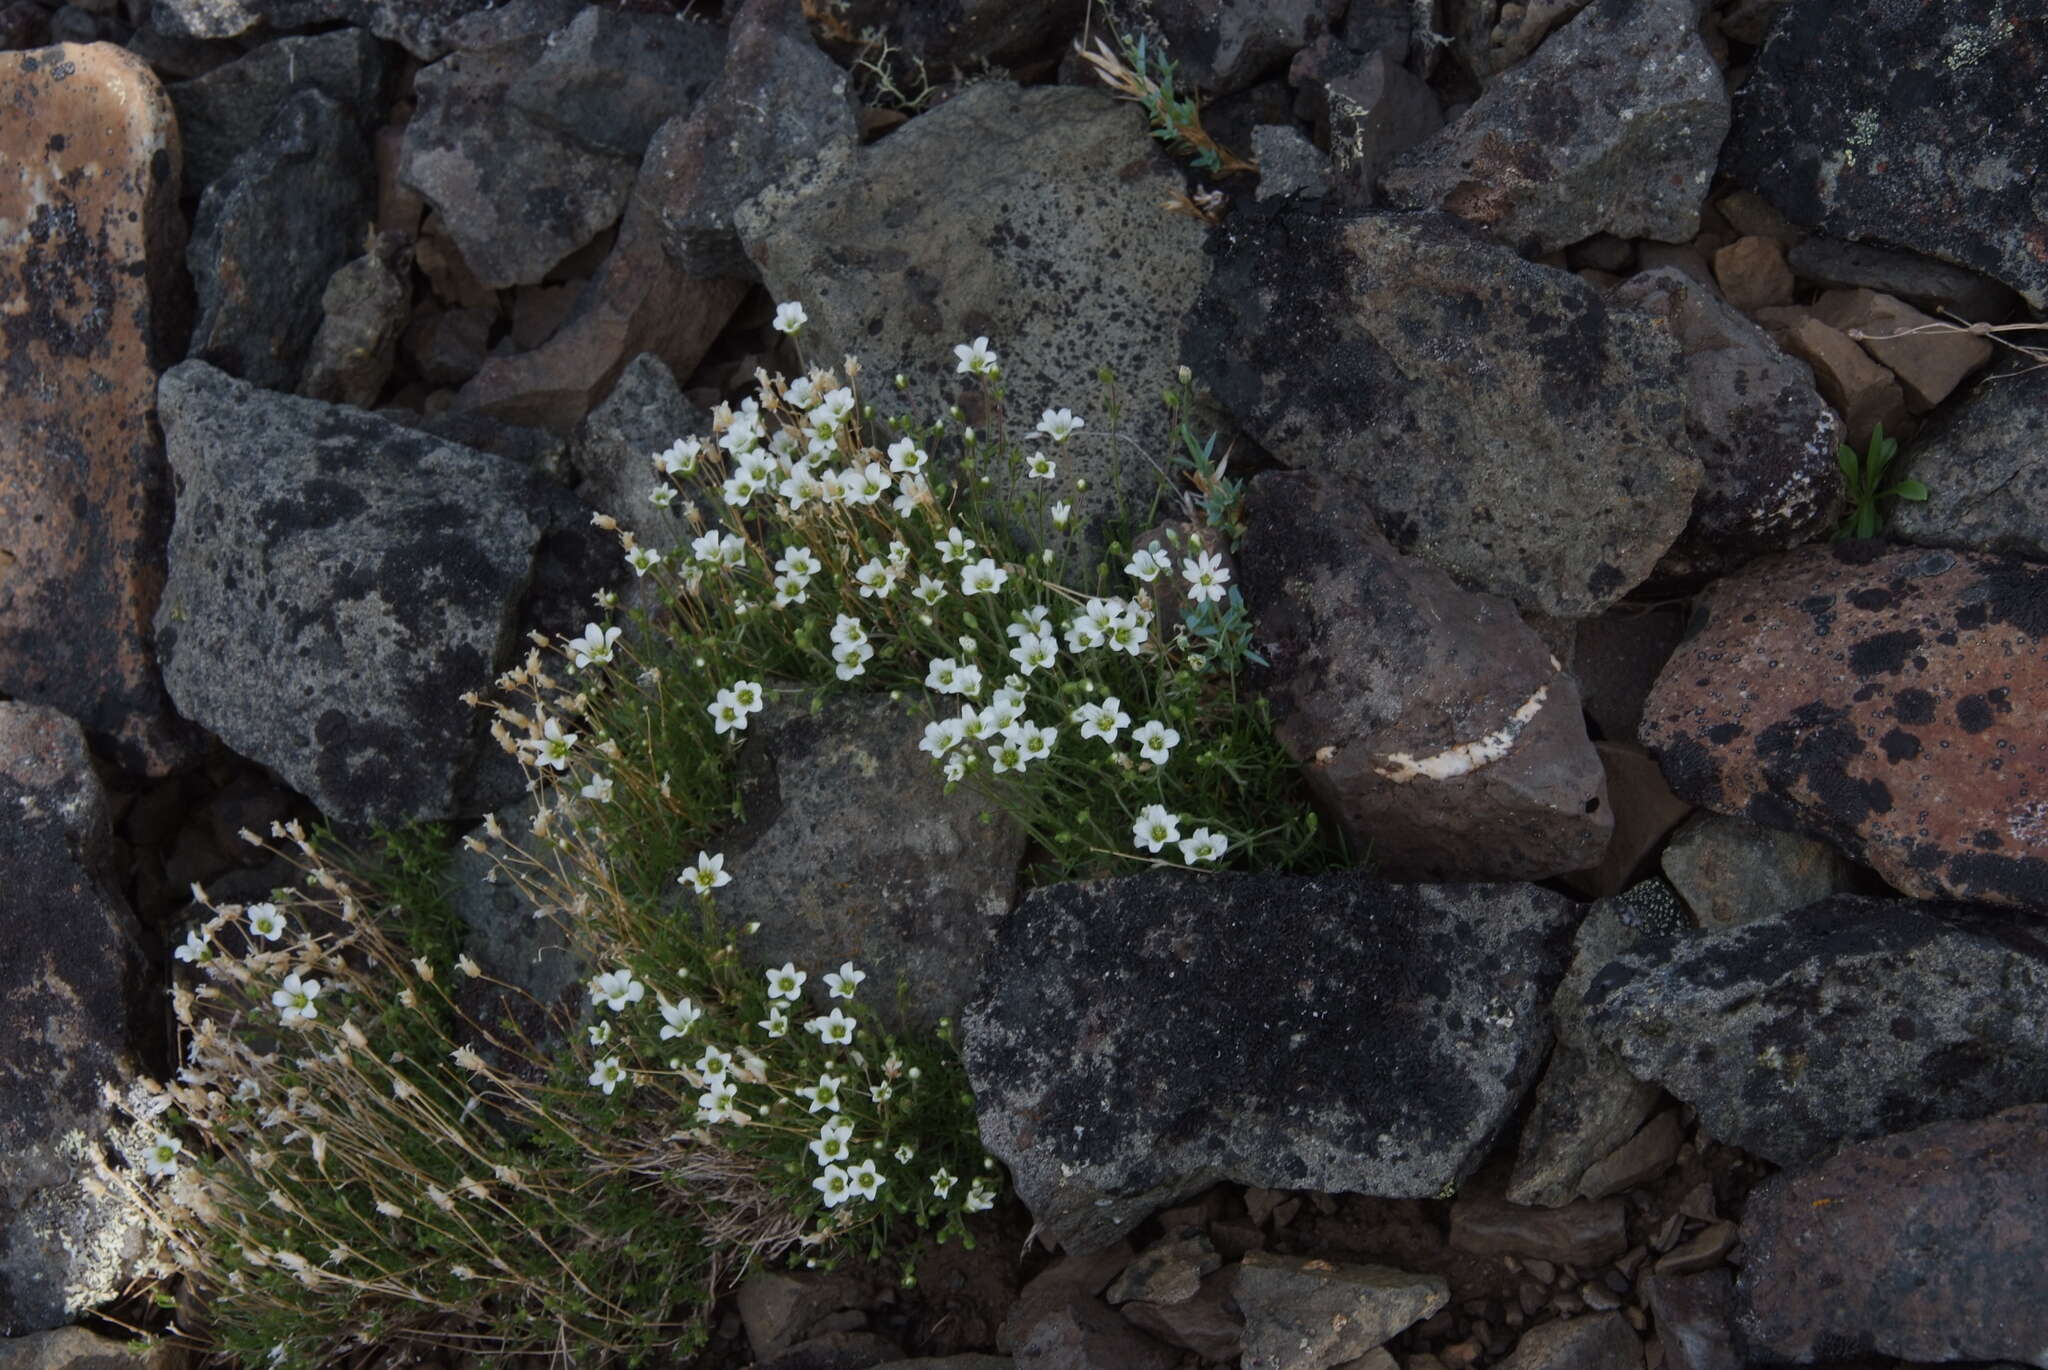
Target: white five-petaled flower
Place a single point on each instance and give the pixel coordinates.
(600, 1033)
(265, 922)
(1155, 741)
(726, 713)
(976, 358)
(882, 1092)
(162, 1157)
(906, 457)
(1041, 467)
(980, 1197)
(676, 1018)
(1062, 513)
(1147, 562)
(834, 1185)
(617, 988)
(643, 559)
(1059, 424)
(597, 788)
(726, 549)
(834, 1029)
(1104, 720)
(874, 579)
(864, 1179)
(911, 490)
(1155, 827)
(679, 458)
(1036, 651)
(790, 317)
(798, 560)
(1205, 576)
(841, 982)
(606, 1073)
(294, 999)
(708, 873)
(955, 546)
(716, 1103)
(824, 1095)
(192, 949)
(1203, 846)
(941, 736)
(662, 496)
(929, 591)
(786, 983)
(713, 1063)
(834, 1143)
(595, 646)
(776, 1023)
(553, 745)
(851, 659)
(1033, 742)
(984, 577)
(904, 1153)
(948, 677)
(943, 1181)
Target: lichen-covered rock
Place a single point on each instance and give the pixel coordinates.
(1504, 420)
(851, 849)
(610, 77)
(337, 582)
(224, 112)
(1931, 1245)
(614, 449)
(1846, 1019)
(1613, 126)
(74, 1348)
(1136, 1040)
(1730, 870)
(1902, 127)
(88, 270)
(1048, 239)
(425, 28)
(1884, 700)
(1985, 465)
(1310, 1314)
(1764, 437)
(73, 998)
(1431, 721)
(1219, 46)
(270, 232)
(363, 311)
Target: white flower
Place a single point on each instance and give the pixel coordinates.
(790, 317)
(715, 1104)
(980, 1198)
(851, 659)
(617, 988)
(661, 496)
(943, 1181)
(713, 1063)
(904, 1153)
(724, 548)
(1155, 741)
(976, 358)
(823, 1095)
(707, 874)
(677, 1017)
(294, 999)
(680, 458)
(192, 949)
(841, 982)
(1059, 424)
(1062, 513)
(1205, 576)
(827, 412)
(866, 484)
(948, 677)
(775, 1024)
(551, 748)
(600, 1033)
(1104, 720)
(1035, 652)
(786, 983)
(984, 577)
(941, 736)
(1033, 742)
(957, 766)
(1127, 631)
(801, 392)
(1155, 827)
(911, 491)
(162, 1157)
(1006, 756)
(847, 629)
(595, 645)
(1041, 467)
(599, 788)
(882, 1092)
(1146, 563)
(873, 579)
(606, 1073)
(747, 694)
(266, 922)
(929, 591)
(1203, 846)
(834, 1185)
(1082, 633)
(799, 560)
(835, 1029)
(955, 546)
(726, 713)
(645, 559)
(864, 1179)
(906, 457)
(834, 1142)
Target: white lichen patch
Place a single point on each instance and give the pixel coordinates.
(1466, 757)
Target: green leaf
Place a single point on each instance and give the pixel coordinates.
(1910, 489)
(1851, 464)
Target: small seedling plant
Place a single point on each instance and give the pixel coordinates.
(1863, 478)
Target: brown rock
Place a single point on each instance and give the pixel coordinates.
(1684, 256)
(399, 207)
(1864, 393)
(1581, 1233)
(364, 310)
(1694, 1316)
(1168, 1271)
(538, 310)
(1085, 1335)
(1207, 1324)
(1065, 1280)
(1930, 1245)
(1602, 1342)
(89, 162)
(1640, 1159)
(447, 347)
(1707, 1249)
(440, 261)
(1929, 365)
(1731, 871)
(74, 1348)
(1312, 1314)
(1752, 273)
(1752, 216)
(1879, 700)
(781, 1308)
(1645, 812)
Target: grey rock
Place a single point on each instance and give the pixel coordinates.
(1168, 1271)
(1849, 1018)
(1616, 658)
(336, 581)
(73, 994)
(1603, 1341)
(969, 1361)
(613, 453)
(1049, 240)
(448, 346)
(1503, 419)
(610, 78)
(74, 1348)
(1764, 437)
(363, 312)
(270, 233)
(1638, 1160)
(1289, 164)
(1902, 131)
(1070, 1276)
(1084, 1335)
(223, 112)
(964, 35)
(506, 935)
(1730, 870)
(1695, 1319)
(1208, 1324)
(1431, 721)
(423, 27)
(1220, 46)
(840, 1350)
(1613, 126)
(1581, 1233)
(1985, 465)
(1367, 109)
(779, 101)
(1936, 286)
(781, 1308)
(1302, 1314)
(851, 849)
(1126, 1052)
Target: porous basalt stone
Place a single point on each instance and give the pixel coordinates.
(224, 112)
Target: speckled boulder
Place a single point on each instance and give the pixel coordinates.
(1908, 125)
(336, 583)
(1888, 701)
(1137, 1040)
(425, 28)
(1985, 465)
(1846, 1019)
(1431, 721)
(1612, 127)
(223, 112)
(1505, 421)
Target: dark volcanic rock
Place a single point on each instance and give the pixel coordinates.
(1765, 438)
(1985, 465)
(1730, 870)
(424, 28)
(1136, 1040)
(1695, 1317)
(271, 232)
(1599, 1341)
(962, 34)
(1932, 1246)
(1613, 126)
(1310, 1313)
(1367, 109)
(1846, 1019)
(614, 453)
(610, 77)
(1883, 700)
(1504, 420)
(1431, 720)
(1899, 124)
(1219, 46)
(363, 312)
(223, 112)
(337, 581)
